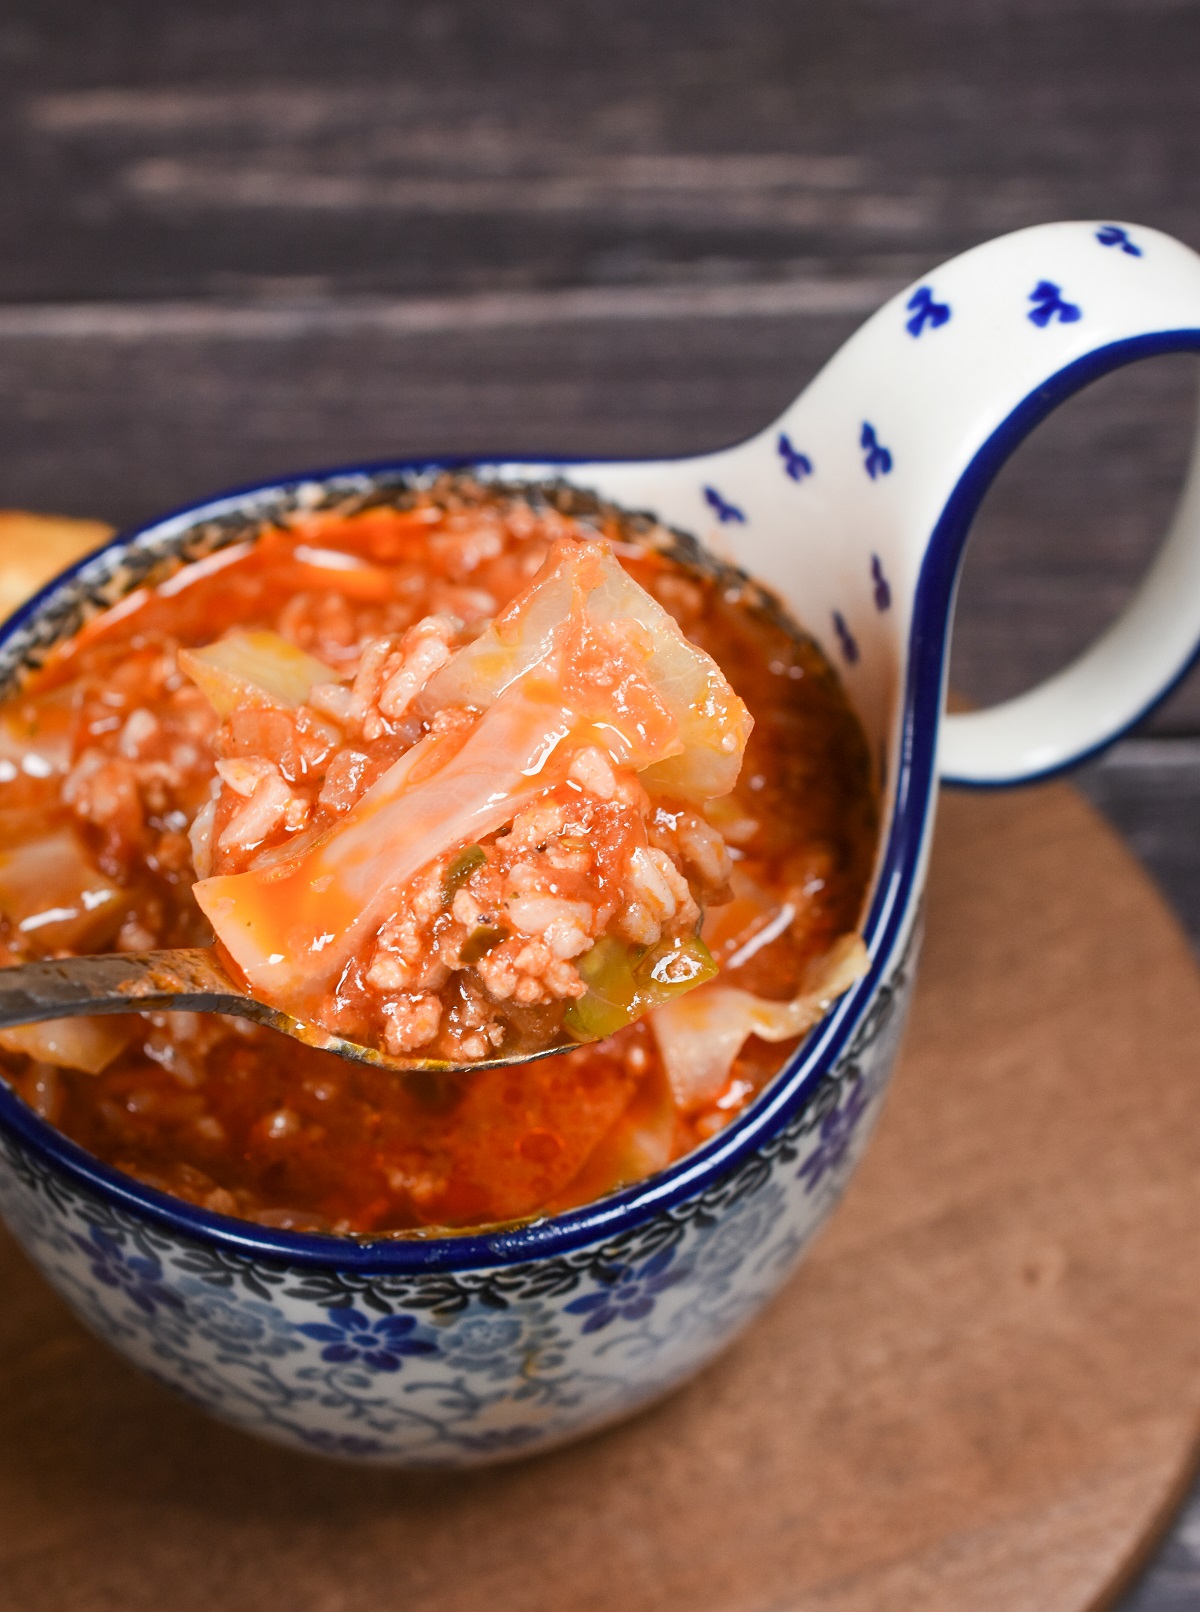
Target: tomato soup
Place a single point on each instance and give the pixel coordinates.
(676, 904)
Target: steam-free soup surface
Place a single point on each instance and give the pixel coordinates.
(115, 776)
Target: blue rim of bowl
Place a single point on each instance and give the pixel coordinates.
(799, 1079)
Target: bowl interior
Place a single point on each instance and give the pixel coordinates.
(150, 554)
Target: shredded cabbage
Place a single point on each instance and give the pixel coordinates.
(699, 1035)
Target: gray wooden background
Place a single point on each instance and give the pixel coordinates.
(241, 239)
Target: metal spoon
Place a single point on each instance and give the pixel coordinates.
(188, 979)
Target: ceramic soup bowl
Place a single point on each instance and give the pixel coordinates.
(854, 506)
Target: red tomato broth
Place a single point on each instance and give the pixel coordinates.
(245, 1122)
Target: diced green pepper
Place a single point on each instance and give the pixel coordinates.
(478, 943)
(673, 967)
(591, 1018)
(623, 982)
(606, 1004)
(462, 865)
(607, 967)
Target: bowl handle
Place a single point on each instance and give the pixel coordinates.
(1107, 689)
(855, 505)
(1106, 295)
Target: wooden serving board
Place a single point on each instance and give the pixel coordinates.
(981, 1392)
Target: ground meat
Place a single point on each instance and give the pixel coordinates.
(515, 910)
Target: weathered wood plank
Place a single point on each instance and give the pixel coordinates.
(1172, 1582)
(598, 150)
(176, 150)
(1150, 790)
(126, 426)
(124, 410)
(1068, 530)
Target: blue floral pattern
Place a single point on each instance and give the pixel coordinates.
(878, 460)
(847, 642)
(237, 1328)
(722, 508)
(1114, 235)
(380, 1343)
(457, 1367)
(881, 590)
(926, 311)
(733, 1239)
(135, 1277)
(627, 1294)
(834, 1137)
(1049, 304)
(797, 465)
(520, 1341)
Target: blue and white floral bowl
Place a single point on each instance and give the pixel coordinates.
(854, 507)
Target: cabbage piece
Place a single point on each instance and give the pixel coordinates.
(293, 923)
(254, 668)
(752, 911)
(548, 679)
(51, 892)
(700, 1035)
(524, 634)
(84, 1043)
(714, 724)
(660, 704)
(36, 734)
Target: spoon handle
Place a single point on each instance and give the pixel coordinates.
(118, 982)
(188, 979)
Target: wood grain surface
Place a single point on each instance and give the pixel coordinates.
(244, 239)
(241, 240)
(982, 1390)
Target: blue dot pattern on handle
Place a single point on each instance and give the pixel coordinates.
(883, 588)
(1114, 235)
(925, 311)
(796, 464)
(846, 639)
(1049, 303)
(878, 461)
(723, 510)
